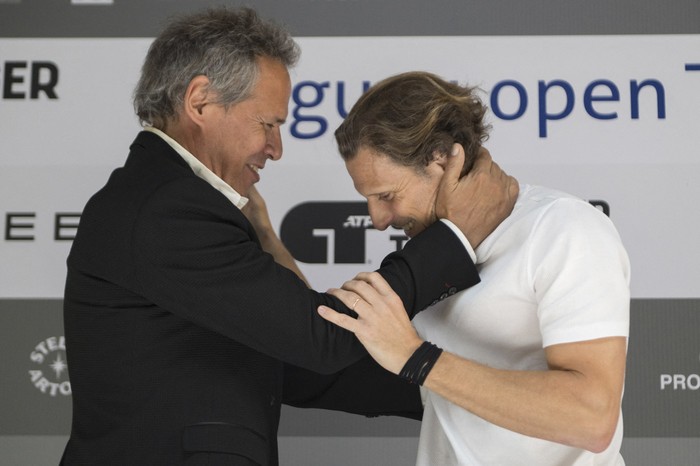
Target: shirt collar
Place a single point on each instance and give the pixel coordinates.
(201, 170)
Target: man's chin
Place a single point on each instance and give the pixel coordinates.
(415, 230)
(408, 232)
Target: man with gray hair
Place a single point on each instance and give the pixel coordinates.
(187, 323)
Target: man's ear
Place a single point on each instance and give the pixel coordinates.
(440, 158)
(196, 98)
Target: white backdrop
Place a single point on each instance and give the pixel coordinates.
(56, 152)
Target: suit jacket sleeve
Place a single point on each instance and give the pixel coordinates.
(197, 256)
(362, 388)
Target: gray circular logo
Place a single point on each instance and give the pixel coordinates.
(50, 372)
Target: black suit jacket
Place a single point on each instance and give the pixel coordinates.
(178, 326)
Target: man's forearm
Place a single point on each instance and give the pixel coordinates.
(561, 405)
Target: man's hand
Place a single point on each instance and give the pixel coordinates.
(478, 202)
(382, 324)
(256, 212)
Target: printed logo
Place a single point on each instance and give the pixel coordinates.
(51, 373)
(551, 100)
(330, 232)
(337, 233)
(679, 382)
(29, 80)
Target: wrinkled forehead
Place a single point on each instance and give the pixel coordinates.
(373, 172)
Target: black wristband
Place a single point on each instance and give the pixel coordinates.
(420, 363)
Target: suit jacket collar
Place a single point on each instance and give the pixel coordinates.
(199, 169)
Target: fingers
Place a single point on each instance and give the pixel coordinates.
(348, 297)
(370, 287)
(376, 281)
(486, 173)
(483, 163)
(367, 286)
(450, 181)
(341, 320)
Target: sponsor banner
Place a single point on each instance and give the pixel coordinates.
(662, 394)
(662, 390)
(67, 103)
(34, 369)
(38, 220)
(632, 103)
(617, 127)
(325, 223)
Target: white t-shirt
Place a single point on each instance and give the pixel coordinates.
(555, 271)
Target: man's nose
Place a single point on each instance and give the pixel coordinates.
(381, 217)
(274, 144)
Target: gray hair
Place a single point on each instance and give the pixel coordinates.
(221, 44)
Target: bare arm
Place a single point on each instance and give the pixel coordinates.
(576, 402)
(256, 212)
(490, 191)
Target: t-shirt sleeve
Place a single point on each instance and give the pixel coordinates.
(581, 274)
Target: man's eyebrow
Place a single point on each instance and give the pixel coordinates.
(275, 119)
(378, 194)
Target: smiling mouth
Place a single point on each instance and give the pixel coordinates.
(255, 168)
(406, 227)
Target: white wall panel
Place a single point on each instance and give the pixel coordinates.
(56, 152)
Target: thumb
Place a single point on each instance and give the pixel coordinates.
(453, 170)
(453, 167)
(450, 180)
